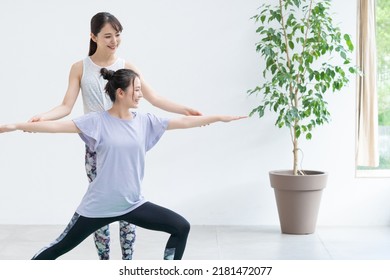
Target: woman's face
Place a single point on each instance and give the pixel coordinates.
(108, 39)
(133, 94)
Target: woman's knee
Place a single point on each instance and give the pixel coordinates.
(184, 227)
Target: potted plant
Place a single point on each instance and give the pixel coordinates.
(305, 56)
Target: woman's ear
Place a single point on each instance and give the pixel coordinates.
(120, 92)
(93, 37)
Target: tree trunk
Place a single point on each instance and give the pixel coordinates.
(295, 152)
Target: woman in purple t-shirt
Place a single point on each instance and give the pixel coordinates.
(120, 138)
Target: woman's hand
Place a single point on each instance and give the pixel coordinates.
(36, 118)
(232, 118)
(192, 112)
(7, 128)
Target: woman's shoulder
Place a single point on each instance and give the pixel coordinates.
(150, 118)
(131, 66)
(77, 67)
(144, 115)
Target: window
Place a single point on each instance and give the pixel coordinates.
(382, 19)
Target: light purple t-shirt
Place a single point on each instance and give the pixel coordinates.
(121, 146)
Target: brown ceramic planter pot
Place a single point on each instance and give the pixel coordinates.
(298, 199)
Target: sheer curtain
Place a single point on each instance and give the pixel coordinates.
(367, 153)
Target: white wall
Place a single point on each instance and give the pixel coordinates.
(199, 53)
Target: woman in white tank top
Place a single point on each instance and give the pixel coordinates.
(85, 75)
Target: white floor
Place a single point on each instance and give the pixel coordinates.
(20, 242)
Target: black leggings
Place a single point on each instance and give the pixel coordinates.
(148, 215)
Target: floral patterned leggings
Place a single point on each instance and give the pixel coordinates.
(102, 235)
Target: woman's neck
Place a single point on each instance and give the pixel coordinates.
(120, 112)
(103, 60)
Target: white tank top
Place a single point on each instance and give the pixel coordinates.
(92, 85)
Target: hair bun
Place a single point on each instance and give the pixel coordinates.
(107, 74)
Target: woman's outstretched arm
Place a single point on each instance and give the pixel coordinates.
(195, 121)
(159, 101)
(70, 97)
(45, 126)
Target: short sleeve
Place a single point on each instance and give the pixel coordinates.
(89, 125)
(155, 129)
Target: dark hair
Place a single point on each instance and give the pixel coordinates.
(121, 78)
(97, 23)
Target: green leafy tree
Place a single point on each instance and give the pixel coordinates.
(305, 56)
